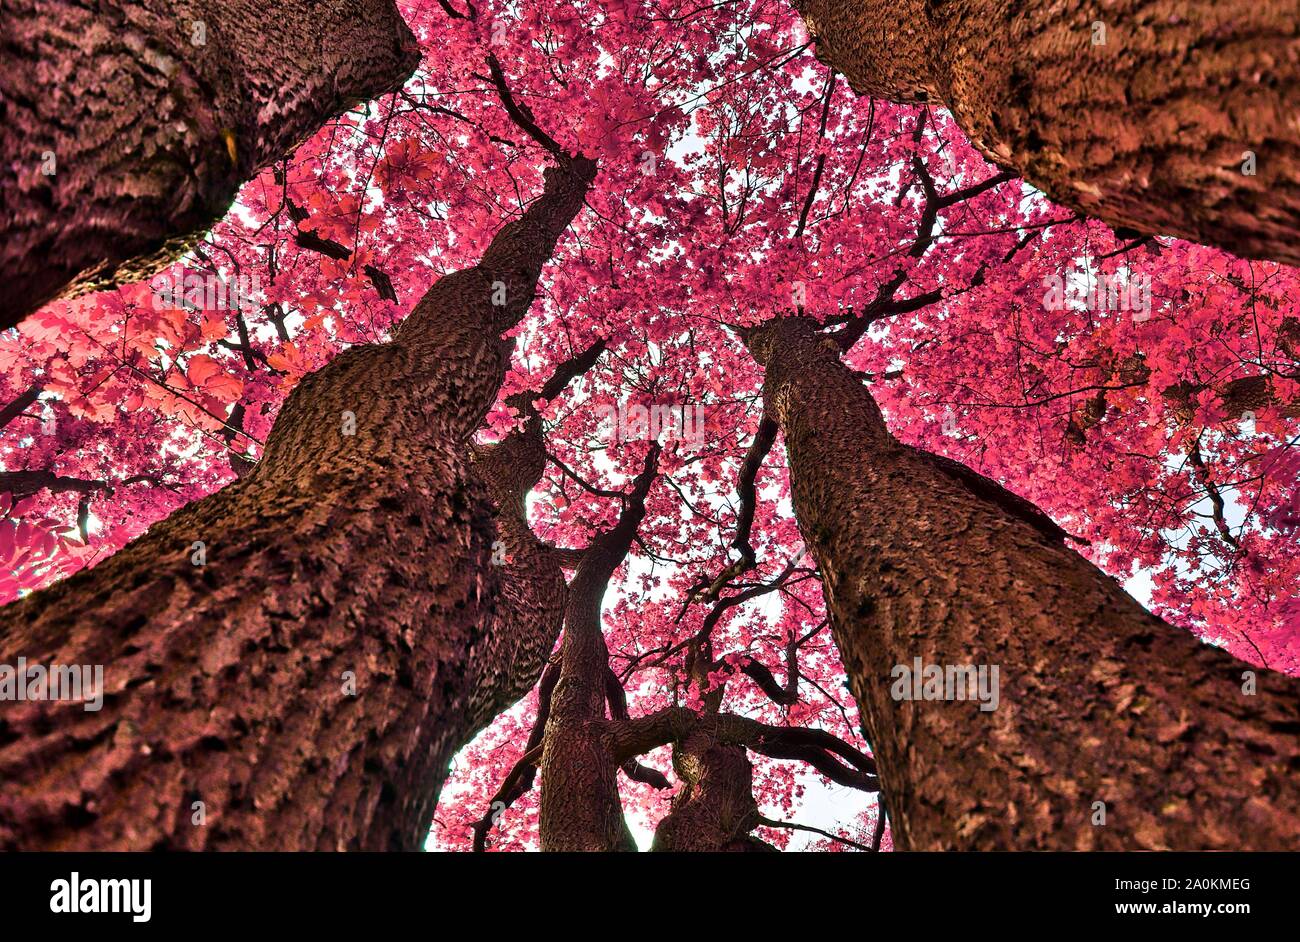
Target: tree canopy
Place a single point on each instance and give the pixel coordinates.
(1143, 391)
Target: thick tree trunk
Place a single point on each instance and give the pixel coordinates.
(126, 128)
(580, 806)
(1100, 701)
(310, 681)
(715, 810)
(1142, 113)
(530, 610)
(530, 613)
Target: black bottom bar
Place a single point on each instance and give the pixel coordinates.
(1223, 892)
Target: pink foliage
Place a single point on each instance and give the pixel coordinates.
(707, 122)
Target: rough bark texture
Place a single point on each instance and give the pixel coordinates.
(1099, 700)
(126, 128)
(530, 612)
(580, 807)
(1148, 130)
(715, 810)
(367, 553)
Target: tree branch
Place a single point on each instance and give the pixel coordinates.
(20, 404)
(520, 114)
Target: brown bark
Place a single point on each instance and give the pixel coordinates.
(530, 612)
(715, 810)
(367, 553)
(19, 404)
(1100, 701)
(580, 806)
(127, 128)
(1148, 131)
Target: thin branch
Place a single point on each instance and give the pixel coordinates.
(20, 404)
(520, 113)
(812, 830)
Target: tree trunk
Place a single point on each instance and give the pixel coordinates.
(530, 615)
(715, 810)
(310, 681)
(1100, 701)
(127, 128)
(580, 806)
(1163, 116)
(530, 610)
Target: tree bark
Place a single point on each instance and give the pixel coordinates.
(1139, 112)
(1100, 701)
(580, 806)
(715, 810)
(128, 127)
(530, 612)
(227, 683)
(19, 404)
